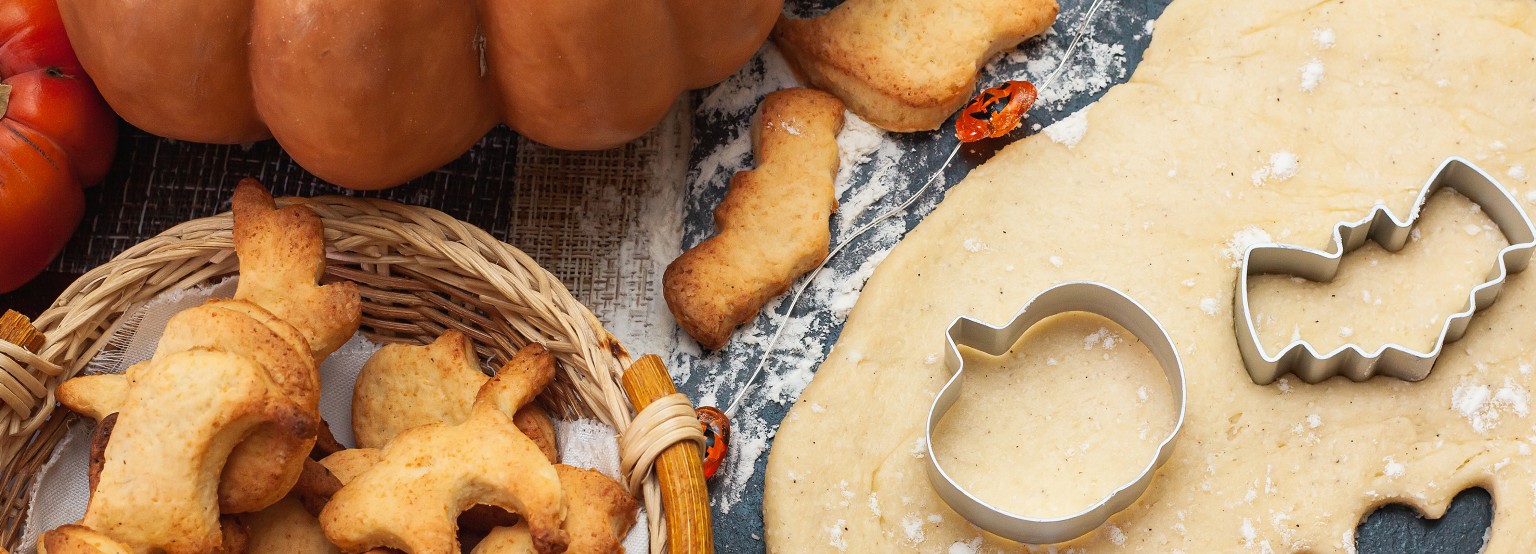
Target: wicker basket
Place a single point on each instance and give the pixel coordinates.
(420, 272)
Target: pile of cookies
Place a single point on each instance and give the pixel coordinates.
(215, 444)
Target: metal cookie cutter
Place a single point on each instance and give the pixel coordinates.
(1382, 226)
(1078, 296)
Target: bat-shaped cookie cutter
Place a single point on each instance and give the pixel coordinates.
(1383, 227)
(1079, 296)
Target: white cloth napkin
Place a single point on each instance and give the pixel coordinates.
(62, 488)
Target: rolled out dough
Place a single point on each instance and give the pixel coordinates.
(1246, 121)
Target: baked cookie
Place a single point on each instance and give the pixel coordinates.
(599, 514)
(412, 497)
(285, 527)
(906, 65)
(772, 224)
(346, 465)
(403, 387)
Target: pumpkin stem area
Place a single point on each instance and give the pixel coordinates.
(5, 98)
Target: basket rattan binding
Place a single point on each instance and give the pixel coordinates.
(420, 272)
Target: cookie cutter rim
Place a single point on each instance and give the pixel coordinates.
(1382, 226)
(1075, 296)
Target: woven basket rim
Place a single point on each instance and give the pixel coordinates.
(79, 322)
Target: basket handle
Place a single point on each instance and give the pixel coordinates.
(679, 468)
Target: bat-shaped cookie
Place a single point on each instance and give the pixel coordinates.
(772, 224)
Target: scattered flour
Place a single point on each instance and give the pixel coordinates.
(1056, 261)
(1324, 37)
(1116, 535)
(855, 143)
(974, 245)
(1282, 165)
(1311, 75)
(1070, 130)
(1516, 171)
(1209, 305)
(836, 531)
(846, 293)
(1094, 67)
(1238, 245)
(1482, 405)
(1102, 338)
(1394, 469)
(972, 546)
(912, 525)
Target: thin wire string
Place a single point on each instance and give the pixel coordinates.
(794, 301)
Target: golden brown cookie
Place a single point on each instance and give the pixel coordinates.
(76, 539)
(906, 65)
(282, 257)
(159, 485)
(348, 464)
(224, 416)
(404, 386)
(772, 225)
(94, 396)
(286, 527)
(411, 499)
(599, 514)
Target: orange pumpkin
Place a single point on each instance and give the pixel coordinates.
(370, 93)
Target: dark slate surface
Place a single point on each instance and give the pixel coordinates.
(1391, 529)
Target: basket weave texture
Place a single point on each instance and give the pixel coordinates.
(420, 272)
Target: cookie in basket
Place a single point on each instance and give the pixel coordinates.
(224, 415)
(403, 387)
(599, 514)
(411, 498)
(553, 318)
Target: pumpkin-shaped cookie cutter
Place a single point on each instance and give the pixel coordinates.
(1383, 227)
(1078, 296)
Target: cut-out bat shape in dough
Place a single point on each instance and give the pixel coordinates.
(906, 65)
(772, 224)
(412, 497)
